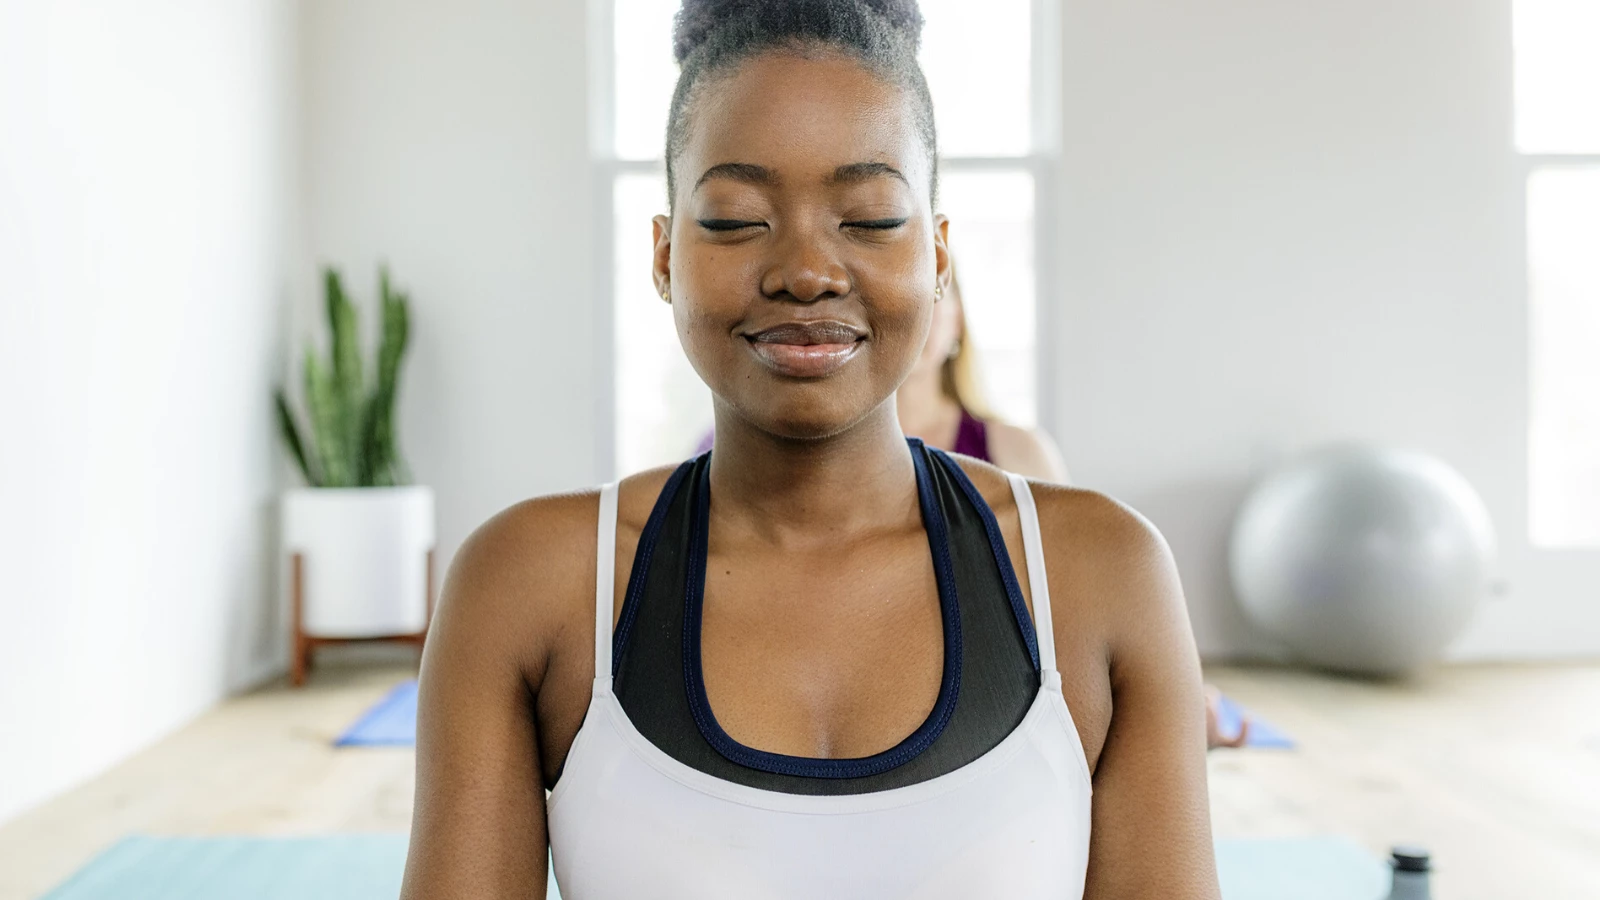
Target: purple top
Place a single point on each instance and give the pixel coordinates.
(972, 438)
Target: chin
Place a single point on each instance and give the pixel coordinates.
(802, 412)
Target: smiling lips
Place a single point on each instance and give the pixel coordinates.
(806, 349)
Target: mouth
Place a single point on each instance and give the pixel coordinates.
(806, 349)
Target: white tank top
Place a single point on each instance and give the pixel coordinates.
(629, 822)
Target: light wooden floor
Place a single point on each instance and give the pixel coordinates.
(1496, 769)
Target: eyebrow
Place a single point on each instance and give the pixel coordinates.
(855, 173)
(748, 173)
(742, 172)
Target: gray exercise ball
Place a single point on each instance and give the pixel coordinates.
(1362, 559)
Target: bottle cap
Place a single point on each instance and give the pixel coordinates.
(1411, 858)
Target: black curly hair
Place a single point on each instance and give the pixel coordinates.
(712, 36)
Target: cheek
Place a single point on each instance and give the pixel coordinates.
(710, 298)
(705, 288)
(903, 334)
(701, 332)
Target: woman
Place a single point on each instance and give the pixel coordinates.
(822, 661)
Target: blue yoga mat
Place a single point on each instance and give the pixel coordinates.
(391, 722)
(1315, 868)
(369, 866)
(335, 867)
(1262, 733)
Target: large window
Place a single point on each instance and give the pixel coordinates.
(985, 63)
(1558, 135)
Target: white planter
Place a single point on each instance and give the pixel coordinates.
(364, 556)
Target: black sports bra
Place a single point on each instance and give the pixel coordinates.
(991, 657)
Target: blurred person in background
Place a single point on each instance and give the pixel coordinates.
(942, 402)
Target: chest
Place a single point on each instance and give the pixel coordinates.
(837, 652)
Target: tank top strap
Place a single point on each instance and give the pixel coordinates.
(1038, 584)
(605, 576)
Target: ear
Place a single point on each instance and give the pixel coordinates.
(661, 265)
(941, 253)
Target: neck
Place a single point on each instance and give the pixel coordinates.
(803, 490)
(925, 410)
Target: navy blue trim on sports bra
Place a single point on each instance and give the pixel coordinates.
(1008, 575)
(641, 563)
(990, 650)
(949, 686)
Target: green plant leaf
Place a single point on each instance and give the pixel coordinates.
(322, 399)
(352, 423)
(291, 437)
(348, 383)
(381, 451)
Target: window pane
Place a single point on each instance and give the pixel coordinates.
(1564, 306)
(991, 241)
(977, 56)
(663, 408)
(643, 76)
(1558, 76)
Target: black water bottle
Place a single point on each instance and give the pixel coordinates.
(1411, 871)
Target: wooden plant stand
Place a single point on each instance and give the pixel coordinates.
(306, 644)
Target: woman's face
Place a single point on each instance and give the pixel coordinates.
(803, 254)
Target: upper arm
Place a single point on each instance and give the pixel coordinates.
(478, 829)
(1026, 451)
(1150, 777)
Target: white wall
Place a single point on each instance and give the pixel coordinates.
(450, 139)
(1283, 224)
(142, 179)
(1290, 223)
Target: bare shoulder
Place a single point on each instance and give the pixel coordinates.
(1078, 518)
(1109, 566)
(517, 582)
(1095, 523)
(1098, 550)
(524, 580)
(1026, 451)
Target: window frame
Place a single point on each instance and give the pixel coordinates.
(1528, 166)
(1041, 162)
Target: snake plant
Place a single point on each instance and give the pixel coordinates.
(350, 441)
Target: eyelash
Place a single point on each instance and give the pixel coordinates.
(725, 224)
(736, 224)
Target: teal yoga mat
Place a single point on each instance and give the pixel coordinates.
(1313, 868)
(368, 867)
(335, 867)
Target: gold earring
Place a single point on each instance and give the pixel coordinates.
(666, 294)
(938, 293)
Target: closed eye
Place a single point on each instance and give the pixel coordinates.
(726, 224)
(877, 224)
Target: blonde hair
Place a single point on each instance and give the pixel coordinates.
(959, 376)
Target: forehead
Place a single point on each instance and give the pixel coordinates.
(802, 115)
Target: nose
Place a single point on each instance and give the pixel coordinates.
(806, 268)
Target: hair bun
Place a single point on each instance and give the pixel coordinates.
(905, 16)
(697, 19)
